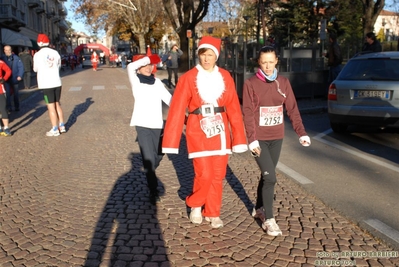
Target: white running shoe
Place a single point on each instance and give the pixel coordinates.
(196, 215)
(216, 222)
(271, 227)
(53, 133)
(62, 129)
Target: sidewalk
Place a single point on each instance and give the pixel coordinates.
(81, 199)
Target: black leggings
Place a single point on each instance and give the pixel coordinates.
(267, 163)
(150, 149)
(3, 109)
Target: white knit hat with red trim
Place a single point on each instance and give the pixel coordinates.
(42, 40)
(211, 43)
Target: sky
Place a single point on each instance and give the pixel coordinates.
(77, 26)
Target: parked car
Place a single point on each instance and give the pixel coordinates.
(366, 92)
(86, 61)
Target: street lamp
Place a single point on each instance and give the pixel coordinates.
(245, 44)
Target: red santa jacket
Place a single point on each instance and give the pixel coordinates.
(187, 96)
(5, 73)
(94, 58)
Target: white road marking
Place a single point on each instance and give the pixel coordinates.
(320, 136)
(293, 174)
(98, 87)
(384, 229)
(121, 87)
(75, 88)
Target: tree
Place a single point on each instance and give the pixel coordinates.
(128, 18)
(296, 20)
(371, 10)
(185, 15)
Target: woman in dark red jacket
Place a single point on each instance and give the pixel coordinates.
(264, 97)
(5, 73)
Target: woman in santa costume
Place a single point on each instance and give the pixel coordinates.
(94, 60)
(214, 129)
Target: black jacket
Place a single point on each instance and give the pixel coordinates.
(374, 47)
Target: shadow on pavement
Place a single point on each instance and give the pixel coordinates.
(77, 111)
(127, 231)
(25, 121)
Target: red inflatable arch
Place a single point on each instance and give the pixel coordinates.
(91, 46)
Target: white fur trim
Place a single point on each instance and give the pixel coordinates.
(209, 153)
(214, 49)
(43, 44)
(210, 85)
(240, 148)
(170, 150)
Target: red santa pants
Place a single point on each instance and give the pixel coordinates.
(94, 65)
(208, 184)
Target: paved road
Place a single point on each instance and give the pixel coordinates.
(81, 199)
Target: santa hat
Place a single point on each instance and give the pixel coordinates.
(138, 56)
(42, 40)
(211, 43)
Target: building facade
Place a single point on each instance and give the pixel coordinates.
(22, 20)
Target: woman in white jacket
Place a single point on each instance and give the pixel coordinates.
(149, 93)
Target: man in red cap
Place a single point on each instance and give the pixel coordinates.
(214, 129)
(47, 64)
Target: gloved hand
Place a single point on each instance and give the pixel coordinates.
(154, 59)
(304, 140)
(2, 81)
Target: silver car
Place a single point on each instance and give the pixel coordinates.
(86, 61)
(366, 92)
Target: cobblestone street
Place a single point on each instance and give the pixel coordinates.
(80, 199)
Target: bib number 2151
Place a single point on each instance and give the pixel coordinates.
(212, 125)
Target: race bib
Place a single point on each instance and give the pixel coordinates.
(212, 125)
(271, 116)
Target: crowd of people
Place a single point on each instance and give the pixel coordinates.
(205, 103)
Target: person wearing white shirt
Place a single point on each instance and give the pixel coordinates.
(149, 93)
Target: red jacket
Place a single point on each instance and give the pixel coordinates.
(94, 58)
(187, 95)
(5, 73)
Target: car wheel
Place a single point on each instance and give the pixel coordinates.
(338, 127)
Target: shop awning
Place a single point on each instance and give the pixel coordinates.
(35, 46)
(9, 37)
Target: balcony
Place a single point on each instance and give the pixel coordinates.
(55, 19)
(62, 11)
(33, 3)
(40, 8)
(63, 25)
(12, 16)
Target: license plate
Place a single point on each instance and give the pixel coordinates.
(373, 94)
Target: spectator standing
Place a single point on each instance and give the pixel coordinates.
(264, 97)
(372, 44)
(172, 64)
(12, 84)
(47, 64)
(94, 60)
(214, 129)
(5, 74)
(149, 93)
(27, 61)
(334, 56)
(123, 60)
